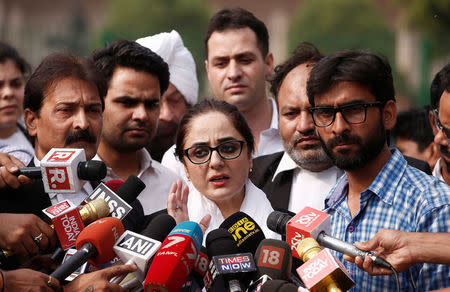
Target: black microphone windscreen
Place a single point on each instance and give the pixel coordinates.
(220, 242)
(91, 170)
(246, 232)
(131, 188)
(278, 286)
(159, 227)
(276, 221)
(274, 259)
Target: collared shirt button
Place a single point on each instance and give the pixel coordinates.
(351, 228)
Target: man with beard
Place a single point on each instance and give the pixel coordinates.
(137, 77)
(181, 93)
(303, 174)
(352, 95)
(440, 119)
(63, 107)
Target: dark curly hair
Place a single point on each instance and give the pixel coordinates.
(130, 54)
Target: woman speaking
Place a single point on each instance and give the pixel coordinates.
(215, 144)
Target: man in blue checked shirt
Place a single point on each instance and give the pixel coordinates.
(352, 95)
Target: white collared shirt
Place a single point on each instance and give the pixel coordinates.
(308, 188)
(437, 170)
(157, 179)
(269, 142)
(255, 204)
(75, 198)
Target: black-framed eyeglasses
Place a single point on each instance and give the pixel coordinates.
(438, 124)
(228, 150)
(356, 113)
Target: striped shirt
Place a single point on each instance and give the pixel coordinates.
(401, 197)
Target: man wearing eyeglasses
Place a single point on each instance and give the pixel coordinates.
(353, 104)
(440, 119)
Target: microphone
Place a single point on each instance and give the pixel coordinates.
(94, 243)
(280, 286)
(175, 259)
(313, 223)
(119, 203)
(246, 232)
(68, 221)
(321, 270)
(228, 267)
(138, 249)
(195, 278)
(274, 261)
(62, 170)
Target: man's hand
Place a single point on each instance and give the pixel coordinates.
(29, 280)
(20, 233)
(99, 280)
(8, 166)
(392, 245)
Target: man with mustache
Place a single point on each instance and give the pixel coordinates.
(440, 119)
(353, 104)
(63, 107)
(137, 78)
(303, 174)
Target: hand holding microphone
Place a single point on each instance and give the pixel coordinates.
(64, 170)
(94, 243)
(403, 249)
(315, 224)
(9, 166)
(25, 234)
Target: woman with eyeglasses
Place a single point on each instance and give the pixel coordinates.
(215, 144)
(13, 137)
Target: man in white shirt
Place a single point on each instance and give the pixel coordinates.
(137, 77)
(238, 63)
(303, 174)
(440, 120)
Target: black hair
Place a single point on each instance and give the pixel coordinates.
(414, 125)
(365, 68)
(440, 83)
(237, 18)
(130, 54)
(304, 53)
(213, 105)
(56, 67)
(7, 52)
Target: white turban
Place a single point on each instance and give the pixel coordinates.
(181, 63)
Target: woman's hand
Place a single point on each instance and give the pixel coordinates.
(177, 205)
(177, 202)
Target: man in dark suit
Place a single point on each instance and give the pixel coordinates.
(303, 174)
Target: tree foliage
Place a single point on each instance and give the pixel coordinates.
(134, 19)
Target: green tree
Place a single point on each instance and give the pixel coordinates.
(134, 19)
(334, 25)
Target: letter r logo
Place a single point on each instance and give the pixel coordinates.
(57, 178)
